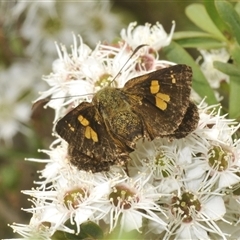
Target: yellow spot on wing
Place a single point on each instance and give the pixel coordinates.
(161, 100)
(173, 78)
(163, 96)
(88, 132)
(83, 120)
(155, 87)
(94, 135)
(160, 103)
(71, 128)
(91, 134)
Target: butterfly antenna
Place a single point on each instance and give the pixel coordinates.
(47, 99)
(134, 52)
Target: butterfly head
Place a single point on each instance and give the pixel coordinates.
(106, 80)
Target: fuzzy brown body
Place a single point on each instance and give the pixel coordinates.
(115, 108)
(105, 131)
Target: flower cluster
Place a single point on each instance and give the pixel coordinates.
(14, 100)
(172, 189)
(30, 29)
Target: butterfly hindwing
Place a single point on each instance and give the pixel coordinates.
(189, 122)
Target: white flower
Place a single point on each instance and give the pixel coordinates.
(214, 76)
(67, 198)
(73, 77)
(83, 72)
(129, 202)
(67, 78)
(192, 214)
(97, 22)
(46, 22)
(32, 230)
(56, 166)
(218, 155)
(14, 100)
(154, 36)
(158, 160)
(102, 67)
(204, 162)
(41, 225)
(198, 214)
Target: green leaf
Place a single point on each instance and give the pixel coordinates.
(230, 17)
(174, 52)
(10, 176)
(90, 230)
(224, 92)
(213, 13)
(196, 39)
(190, 34)
(235, 54)
(234, 98)
(119, 234)
(197, 14)
(228, 69)
(200, 42)
(237, 7)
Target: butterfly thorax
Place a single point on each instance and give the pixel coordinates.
(111, 100)
(115, 107)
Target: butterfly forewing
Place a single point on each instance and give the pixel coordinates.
(165, 98)
(91, 147)
(74, 125)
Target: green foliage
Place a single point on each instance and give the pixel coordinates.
(9, 178)
(91, 231)
(231, 17)
(198, 15)
(88, 230)
(219, 24)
